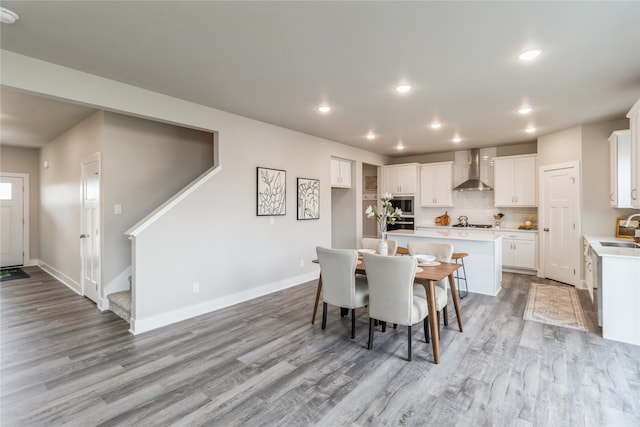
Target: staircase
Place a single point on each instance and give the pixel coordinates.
(120, 304)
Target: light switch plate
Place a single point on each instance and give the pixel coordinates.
(117, 209)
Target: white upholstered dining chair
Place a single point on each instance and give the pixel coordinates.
(442, 252)
(371, 243)
(391, 296)
(340, 284)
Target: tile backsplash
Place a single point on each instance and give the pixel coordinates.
(479, 207)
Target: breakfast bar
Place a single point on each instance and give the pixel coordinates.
(484, 263)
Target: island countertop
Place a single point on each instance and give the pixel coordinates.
(483, 265)
(448, 233)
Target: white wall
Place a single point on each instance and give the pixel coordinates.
(26, 160)
(214, 237)
(560, 147)
(598, 217)
(143, 164)
(60, 197)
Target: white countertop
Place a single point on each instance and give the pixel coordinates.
(484, 230)
(449, 233)
(600, 250)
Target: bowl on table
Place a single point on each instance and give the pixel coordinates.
(366, 251)
(425, 259)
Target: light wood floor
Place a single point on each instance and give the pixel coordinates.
(263, 363)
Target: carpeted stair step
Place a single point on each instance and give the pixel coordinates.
(120, 304)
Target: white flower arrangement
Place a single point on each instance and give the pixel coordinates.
(386, 215)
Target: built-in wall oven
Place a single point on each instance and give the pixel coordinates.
(402, 223)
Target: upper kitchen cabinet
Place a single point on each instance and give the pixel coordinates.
(340, 173)
(400, 179)
(634, 124)
(620, 169)
(436, 184)
(515, 181)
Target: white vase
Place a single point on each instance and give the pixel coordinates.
(383, 246)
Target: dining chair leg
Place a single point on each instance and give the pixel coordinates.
(446, 316)
(409, 349)
(395, 326)
(371, 328)
(438, 319)
(324, 315)
(353, 323)
(384, 326)
(425, 325)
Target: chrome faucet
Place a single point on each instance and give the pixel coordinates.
(626, 224)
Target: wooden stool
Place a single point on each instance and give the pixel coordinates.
(461, 276)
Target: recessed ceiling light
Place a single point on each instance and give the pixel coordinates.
(399, 147)
(436, 125)
(456, 139)
(530, 54)
(324, 109)
(525, 110)
(403, 88)
(7, 16)
(371, 136)
(530, 129)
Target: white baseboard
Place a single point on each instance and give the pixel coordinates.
(66, 280)
(139, 326)
(31, 263)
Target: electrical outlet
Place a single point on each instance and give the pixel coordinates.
(196, 287)
(301, 262)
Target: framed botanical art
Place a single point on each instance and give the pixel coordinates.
(271, 192)
(308, 198)
(626, 232)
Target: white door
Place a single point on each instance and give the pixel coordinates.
(90, 233)
(11, 221)
(560, 226)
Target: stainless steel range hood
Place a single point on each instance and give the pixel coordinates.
(473, 183)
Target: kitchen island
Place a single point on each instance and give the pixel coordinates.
(484, 263)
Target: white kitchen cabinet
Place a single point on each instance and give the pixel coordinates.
(519, 250)
(340, 173)
(620, 169)
(634, 124)
(400, 179)
(515, 182)
(436, 184)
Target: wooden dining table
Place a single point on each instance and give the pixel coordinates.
(428, 277)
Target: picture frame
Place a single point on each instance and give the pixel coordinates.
(271, 192)
(626, 232)
(308, 198)
(371, 184)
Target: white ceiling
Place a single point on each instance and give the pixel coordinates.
(277, 61)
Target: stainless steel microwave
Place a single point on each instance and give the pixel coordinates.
(404, 203)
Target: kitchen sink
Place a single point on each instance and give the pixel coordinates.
(621, 244)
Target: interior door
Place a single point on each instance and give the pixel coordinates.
(561, 233)
(90, 233)
(11, 221)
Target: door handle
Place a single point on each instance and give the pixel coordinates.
(545, 229)
(84, 236)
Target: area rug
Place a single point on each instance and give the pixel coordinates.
(556, 305)
(12, 274)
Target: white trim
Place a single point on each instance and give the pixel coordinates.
(139, 326)
(173, 201)
(26, 249)
(61, 277)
